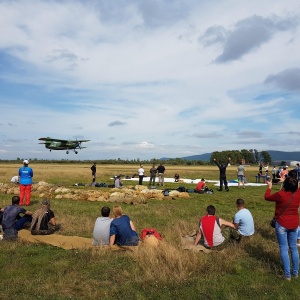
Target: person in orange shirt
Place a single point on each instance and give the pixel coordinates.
(283, 173)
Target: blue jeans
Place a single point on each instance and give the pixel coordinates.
(287, 239)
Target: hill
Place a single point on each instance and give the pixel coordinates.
(277, 156)
(284, 156)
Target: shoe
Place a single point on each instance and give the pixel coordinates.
(227, 190)
(283, 277)
(219, 190)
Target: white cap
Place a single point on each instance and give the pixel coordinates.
(25, 162)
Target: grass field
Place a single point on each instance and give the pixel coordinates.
(242, 271)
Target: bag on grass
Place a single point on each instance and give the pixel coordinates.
(150, 231)
(181, 189)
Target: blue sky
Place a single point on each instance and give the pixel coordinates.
(149, 79)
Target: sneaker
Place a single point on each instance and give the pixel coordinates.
(283, 277)
(219, 190)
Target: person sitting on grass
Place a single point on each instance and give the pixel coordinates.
(176, 177)
(122, 230)
(243, 220)
(12, 222)
(43, 220)
(201, 186)
(118, 182)
(216, 232)
(102, 228)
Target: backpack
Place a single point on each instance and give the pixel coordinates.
(150, 231)
(181, 189)
(166, 192)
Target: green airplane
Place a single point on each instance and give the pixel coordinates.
(57, 144)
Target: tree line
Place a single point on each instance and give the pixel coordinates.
(251, 156)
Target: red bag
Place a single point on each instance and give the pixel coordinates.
(150, 231)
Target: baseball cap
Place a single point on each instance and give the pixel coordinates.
(26, 162)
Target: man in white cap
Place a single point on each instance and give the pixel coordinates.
(25, 180)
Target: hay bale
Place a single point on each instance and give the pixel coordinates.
(174, 194)
(140, 187)
(58, 190)
(184, 195)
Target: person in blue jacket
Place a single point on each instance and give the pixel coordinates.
(25, 180)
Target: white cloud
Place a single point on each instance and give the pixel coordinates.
(121, 72)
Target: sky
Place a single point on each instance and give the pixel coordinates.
(144, 79)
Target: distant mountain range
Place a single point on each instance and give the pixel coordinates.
(277, 156)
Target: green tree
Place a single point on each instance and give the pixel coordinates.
(265, 156)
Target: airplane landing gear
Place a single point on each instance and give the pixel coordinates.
(67, 152)
(76, 152)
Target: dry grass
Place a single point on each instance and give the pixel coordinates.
(247, 270)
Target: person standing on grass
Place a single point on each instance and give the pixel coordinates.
(214, 236)
(287, 202)
(94, 169)
(222, 167)
(25, 180)
(161, 174)
(12, 221)
(298, 236)
(274, 172)
(141, 172)
(101, 231)
(153, 172)
(122, 230)
(243, 220)
(241, 174)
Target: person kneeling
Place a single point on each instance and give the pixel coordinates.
(43, 220)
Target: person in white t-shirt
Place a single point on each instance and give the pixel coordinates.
(141, 172)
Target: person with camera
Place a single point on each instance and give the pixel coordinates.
(287, 202)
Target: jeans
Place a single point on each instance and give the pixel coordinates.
(25, 190)
(287, 239)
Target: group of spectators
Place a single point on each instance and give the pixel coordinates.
(241, 174)
(214, 231)
(217, 232)
(159, 171)
(15, 217)
(119, 230)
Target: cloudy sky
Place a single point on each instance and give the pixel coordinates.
(149, 78)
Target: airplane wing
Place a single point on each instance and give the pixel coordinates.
(48, 139)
